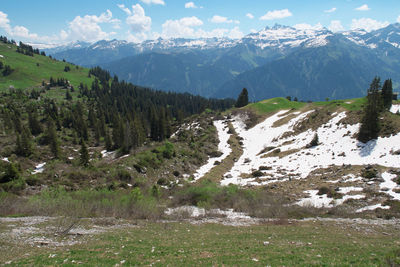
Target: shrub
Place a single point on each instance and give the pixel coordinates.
(257, 174)
(369, 173)
(124, 175)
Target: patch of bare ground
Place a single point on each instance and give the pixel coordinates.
(281, 154)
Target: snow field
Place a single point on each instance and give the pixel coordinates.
(337, 147)
(223, 146)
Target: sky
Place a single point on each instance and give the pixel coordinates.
(65, 21)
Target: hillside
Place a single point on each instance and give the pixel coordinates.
(30, 71)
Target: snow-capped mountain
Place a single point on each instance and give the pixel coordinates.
(288, 37)
(293, 60)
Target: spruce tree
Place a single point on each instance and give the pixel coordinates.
(387, 94)
(369, 128)
(52, 138)
(84, 154)
(243, 99)
(33, 121)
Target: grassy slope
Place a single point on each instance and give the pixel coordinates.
(28, 74)
(280, 103)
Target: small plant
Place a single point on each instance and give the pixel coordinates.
(257, 174)
(369, 173)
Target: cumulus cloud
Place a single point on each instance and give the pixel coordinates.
(156, 2)
(220, 19)
(250, 16)
(363, 8)
(398, 19)
(87, 28)
(21, 31)
(336, 26)
(137, 19)
(192, 5)
(183, 27)
(277, 14)
(305, 26)
(368, 24)
(189, 27)
(333, 9)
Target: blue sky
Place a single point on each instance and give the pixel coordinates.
(63, 21)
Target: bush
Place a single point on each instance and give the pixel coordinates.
(8, 172)
(124, 175)
(369, 173)
(257, 174)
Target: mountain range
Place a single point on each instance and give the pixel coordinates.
(310, 64)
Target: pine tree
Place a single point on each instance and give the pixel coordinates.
(33, 121)
(108, 141)
(52, 138)
(24, 146)
(84, 154)
(387, 94)
(243, 99)
(369, 128)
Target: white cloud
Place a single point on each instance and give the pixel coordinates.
(137, 19)
(277, 14)
(250, 16)
(398, 19)
(87, 28)
(333, 9)
(180, 28)
(368, 24)
(192, 5)
(336, 26)
(235, 33)
(363, 8)
(305, 26)
(220, 19)
(156, 2)
(21, 31)
(188, 27)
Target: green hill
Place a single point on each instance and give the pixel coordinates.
(31, 71)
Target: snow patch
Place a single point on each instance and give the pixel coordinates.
(395, 108)
(39, 168)
(388, 186)
(223, 147)
(5, 159)
(373, 207)
(1, 56)
(337, 147)
(323, 201)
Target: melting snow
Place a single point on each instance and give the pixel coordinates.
(5, 159)
(39, 168)
(390, 185)
(223, 147)
(1, 56)
(395, 108)
(323, 201)
(337, 147)
(373, 207)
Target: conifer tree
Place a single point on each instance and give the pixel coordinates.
(243, 99)
(24, 146)
(52, 138)
(108, 142)
(84, 154)
(369, 128)
(387, 94)
(33, 121)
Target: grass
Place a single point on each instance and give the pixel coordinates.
(275, 104)
(354, 104)
(31, 71)
(184, 244)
